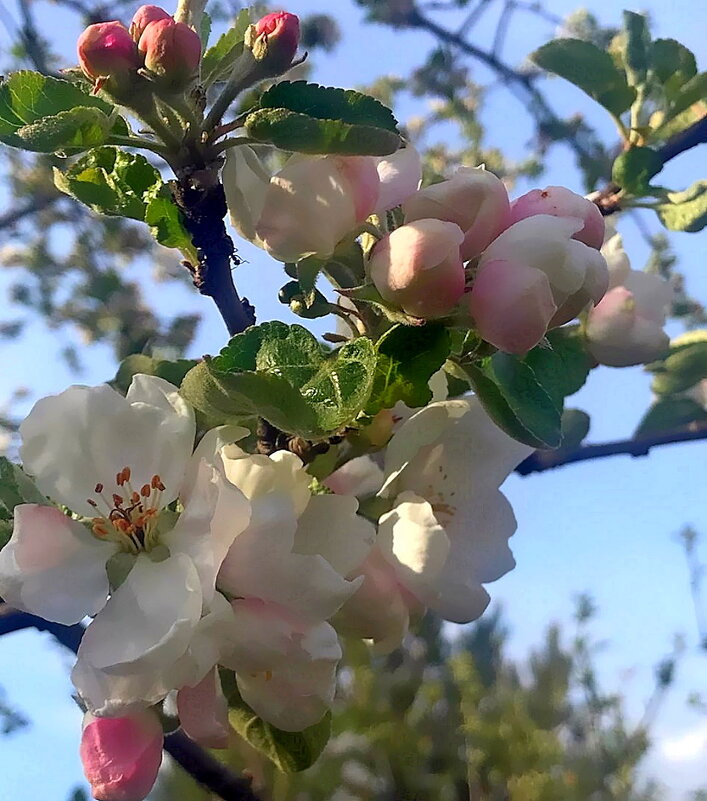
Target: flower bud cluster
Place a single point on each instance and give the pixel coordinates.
(169, 51)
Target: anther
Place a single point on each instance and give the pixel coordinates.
(91, 503)
(126, 474)
(135, 498)
(145, 491)
(98, 489)
(118, 500)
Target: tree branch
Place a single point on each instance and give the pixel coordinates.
(198, 763)
(207, 770)
(540, 461)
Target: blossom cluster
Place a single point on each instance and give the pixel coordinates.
(511, 270)
(189, 556)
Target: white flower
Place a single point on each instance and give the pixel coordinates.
(285, 574)
(120, 463)
(448, 531)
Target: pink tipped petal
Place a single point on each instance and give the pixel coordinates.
(558, 201)
(53, 567)
(121, 756)
(203, 712)
(511, 304)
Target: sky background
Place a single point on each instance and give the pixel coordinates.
(608, 528)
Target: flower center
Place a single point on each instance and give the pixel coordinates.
(131, 519)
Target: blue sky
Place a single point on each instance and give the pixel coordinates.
(607, 528)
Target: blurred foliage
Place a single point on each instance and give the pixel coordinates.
(455, 718)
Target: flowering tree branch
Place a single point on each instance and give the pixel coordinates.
(540, 461)
(197, 762)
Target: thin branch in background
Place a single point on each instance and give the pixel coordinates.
(502, 26)
(540, 461)
(473, 17)
(690, 538)
(198, 763)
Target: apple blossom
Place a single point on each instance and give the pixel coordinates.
(400, 175)
(143, 17)
(172, 51)
(418, 267)
(475, 199)
(121, 756)
(518, 314)
(447, 533)
(286, 576)
(106, 50)
(148, 576)
(558, 201)
(306, 208)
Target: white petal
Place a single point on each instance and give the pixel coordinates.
(331, 528)
(300, 692)
(215, 513)
(85, 435)
(149, 621)
(360, 477)
(53, 567)
(412, 535)
(246, 182)
(400, 175)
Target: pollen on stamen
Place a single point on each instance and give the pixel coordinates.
(98, 489)
(91, 503)
(118, 500)
(135, 498)
(145, 491)
(156, 483)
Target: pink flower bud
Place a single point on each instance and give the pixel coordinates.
(143, 17)
(106, 50)
(121, 756)
(474, 199)
(560, 202)
(418, 268)
(281, 32)
(512, 305)
(172, 51)
(626, 328)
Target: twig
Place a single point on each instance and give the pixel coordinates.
(540, 461)
(14, 216)
(197, 762)
(207, 770)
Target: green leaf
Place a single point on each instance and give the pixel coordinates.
(516, 401)
(668, 413)
(407, 358)
(46, 114)
(282, 373)
(166, 223)
(300, 133)
(111, 181)
(634, 169)
(685, 365)
(307, 272)
(669, 58)
(218, 60)
(638, 45)
(173, 372)
(691, 92)
(589, 68)
(329, 103)
(289, 751)
(686, 211)
(310, 306)
(563, 367)
(205, 30)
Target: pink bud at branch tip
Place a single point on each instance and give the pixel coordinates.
(282, 34)
(143, 17)
(172, 51)
(106, 50)
(121, 756)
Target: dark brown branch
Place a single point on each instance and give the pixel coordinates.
(198, 763)
(207, 770)
(541, 461)
(201, 198)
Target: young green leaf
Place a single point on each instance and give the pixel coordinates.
(218, 60)
(46, 114)
(671, 59)
(407, 358)
(685, 365)
(638, 44)
(685, 211)
(300, 133)
(667, 413)
(634, 169)
(589, 68)
(173, 372)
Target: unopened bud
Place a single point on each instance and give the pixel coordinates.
(121, 756)
(172, 51)
(106, 50)
(143, 17)
(273, 40)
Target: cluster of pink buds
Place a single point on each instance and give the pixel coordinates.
(168, 51)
